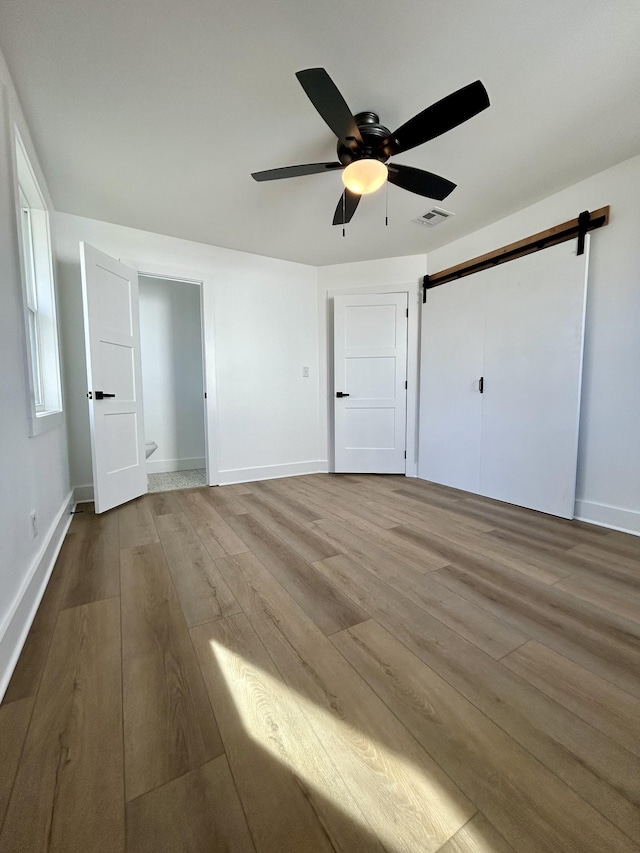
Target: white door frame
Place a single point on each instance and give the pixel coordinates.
(203, 280)
(414, 294)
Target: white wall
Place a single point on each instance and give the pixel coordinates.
(392, 274)
(608, 488)
(261, 327)
(172, 375)
(34, 471)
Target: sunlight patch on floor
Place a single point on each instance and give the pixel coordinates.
(380, 790)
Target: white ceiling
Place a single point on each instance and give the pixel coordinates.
(153, 113)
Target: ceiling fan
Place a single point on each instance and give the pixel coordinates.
(365, 146)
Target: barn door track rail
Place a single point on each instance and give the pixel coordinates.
(578, 227)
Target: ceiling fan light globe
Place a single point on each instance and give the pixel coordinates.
(364, 176)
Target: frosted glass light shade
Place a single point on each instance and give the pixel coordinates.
(364, 176)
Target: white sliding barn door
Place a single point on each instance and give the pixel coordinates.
(534, 329)
(112, 337)
(520, 326)
(370, 369)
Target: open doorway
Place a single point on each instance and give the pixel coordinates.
(172, 382)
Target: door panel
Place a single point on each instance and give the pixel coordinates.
(370, 326)
(371, 377)
(533, 370)
(370, 356)
(118, 360)
(112, 336)
(450, 402)
(369, 429)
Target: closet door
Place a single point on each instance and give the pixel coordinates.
(534, 329)
(452, 344)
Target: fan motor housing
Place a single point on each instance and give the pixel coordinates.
(372, 133)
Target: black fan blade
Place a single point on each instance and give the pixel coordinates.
(420, 182)
(346, 207)
(325, 97)
(437, 119)
(295, 171)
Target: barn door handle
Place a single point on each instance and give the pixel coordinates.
(342, 394)
(98, 395)
(481, 385)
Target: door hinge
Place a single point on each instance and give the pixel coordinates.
(406, 384)
(407, 312)
(205, 395)
(405, 454)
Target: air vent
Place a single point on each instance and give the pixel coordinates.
(434, 217)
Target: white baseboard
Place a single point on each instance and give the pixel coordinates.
(614, 517)
(272, 472)
(82, 494)
(16, 624)
(163, 466)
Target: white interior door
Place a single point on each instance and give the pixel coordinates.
(370, 369)
(534, 322)
(112, 337)
(450, 404)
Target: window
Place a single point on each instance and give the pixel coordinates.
(39, 297)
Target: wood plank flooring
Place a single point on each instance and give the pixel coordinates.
(326, 663)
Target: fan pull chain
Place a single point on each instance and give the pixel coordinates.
(386, 205)
(344, 215)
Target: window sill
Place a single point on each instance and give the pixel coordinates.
(44, 422)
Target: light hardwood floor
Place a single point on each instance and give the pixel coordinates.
(328, 663)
